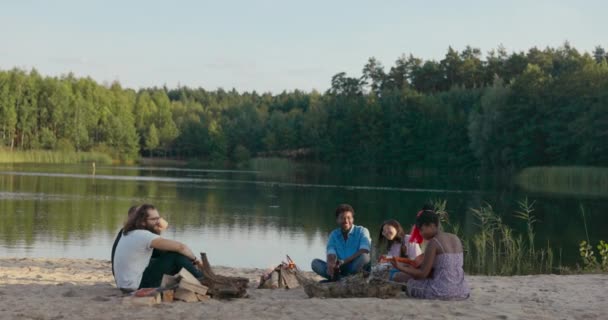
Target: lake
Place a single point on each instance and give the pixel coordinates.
(253, 218)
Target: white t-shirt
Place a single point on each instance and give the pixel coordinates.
(413, 249)
(133, 254)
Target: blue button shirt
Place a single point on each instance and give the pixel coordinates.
(358, 238)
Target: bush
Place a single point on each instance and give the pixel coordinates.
(65, 145)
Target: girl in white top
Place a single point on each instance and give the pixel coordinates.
(397, 242)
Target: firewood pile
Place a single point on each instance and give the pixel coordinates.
(185, 287)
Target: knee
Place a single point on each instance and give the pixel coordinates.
(362, 262)
(364, 259)
(175, 256)
(367, 262)
(317, 265)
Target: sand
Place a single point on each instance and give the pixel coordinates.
(84, 289)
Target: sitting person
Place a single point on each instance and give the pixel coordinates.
(348, 248)
(162, 226)
(134, 265)
(398, 244)
(443, 255)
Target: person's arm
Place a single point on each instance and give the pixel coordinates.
(427, 264)
(173, 246)
(332, 263)
(354, 256)
(364, 246)
(332, 255)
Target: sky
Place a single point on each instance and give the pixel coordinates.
(271, 46)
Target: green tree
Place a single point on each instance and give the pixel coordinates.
(8, 112)
(374, 76)
(151, 139)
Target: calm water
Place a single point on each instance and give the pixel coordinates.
(253, 218)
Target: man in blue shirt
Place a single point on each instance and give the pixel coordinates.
(348, 248)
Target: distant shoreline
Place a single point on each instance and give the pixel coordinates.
(53, 157)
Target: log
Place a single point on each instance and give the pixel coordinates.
(202, 297)
(356, 286)
(169, 281)
(222, 287)
(185, 275)
(208, 273)
(194, 287)
(142, 301)
(168, 295)
(185, 295)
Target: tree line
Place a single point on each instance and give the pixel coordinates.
(504, 110)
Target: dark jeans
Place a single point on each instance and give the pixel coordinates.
(362, 262)
(166, 263)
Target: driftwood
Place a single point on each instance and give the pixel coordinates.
(356, 286)
(222, 286)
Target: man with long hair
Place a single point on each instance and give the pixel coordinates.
(134, 265)
(162, 226)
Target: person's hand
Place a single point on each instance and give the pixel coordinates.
(198, 263)
(395, 263)
(163, 224)
(331, 267)
(339, 263)
(418, 260)
(399, 266)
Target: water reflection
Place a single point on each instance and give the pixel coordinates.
(276, 184)
(249, 218)
(225, 245)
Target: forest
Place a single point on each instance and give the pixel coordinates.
(467, 111)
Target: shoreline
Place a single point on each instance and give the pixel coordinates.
(40, 288)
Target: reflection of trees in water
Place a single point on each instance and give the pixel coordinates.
(67, 208)
(581, 181)
(63, 208)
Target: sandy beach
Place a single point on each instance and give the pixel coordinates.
(84, 289)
